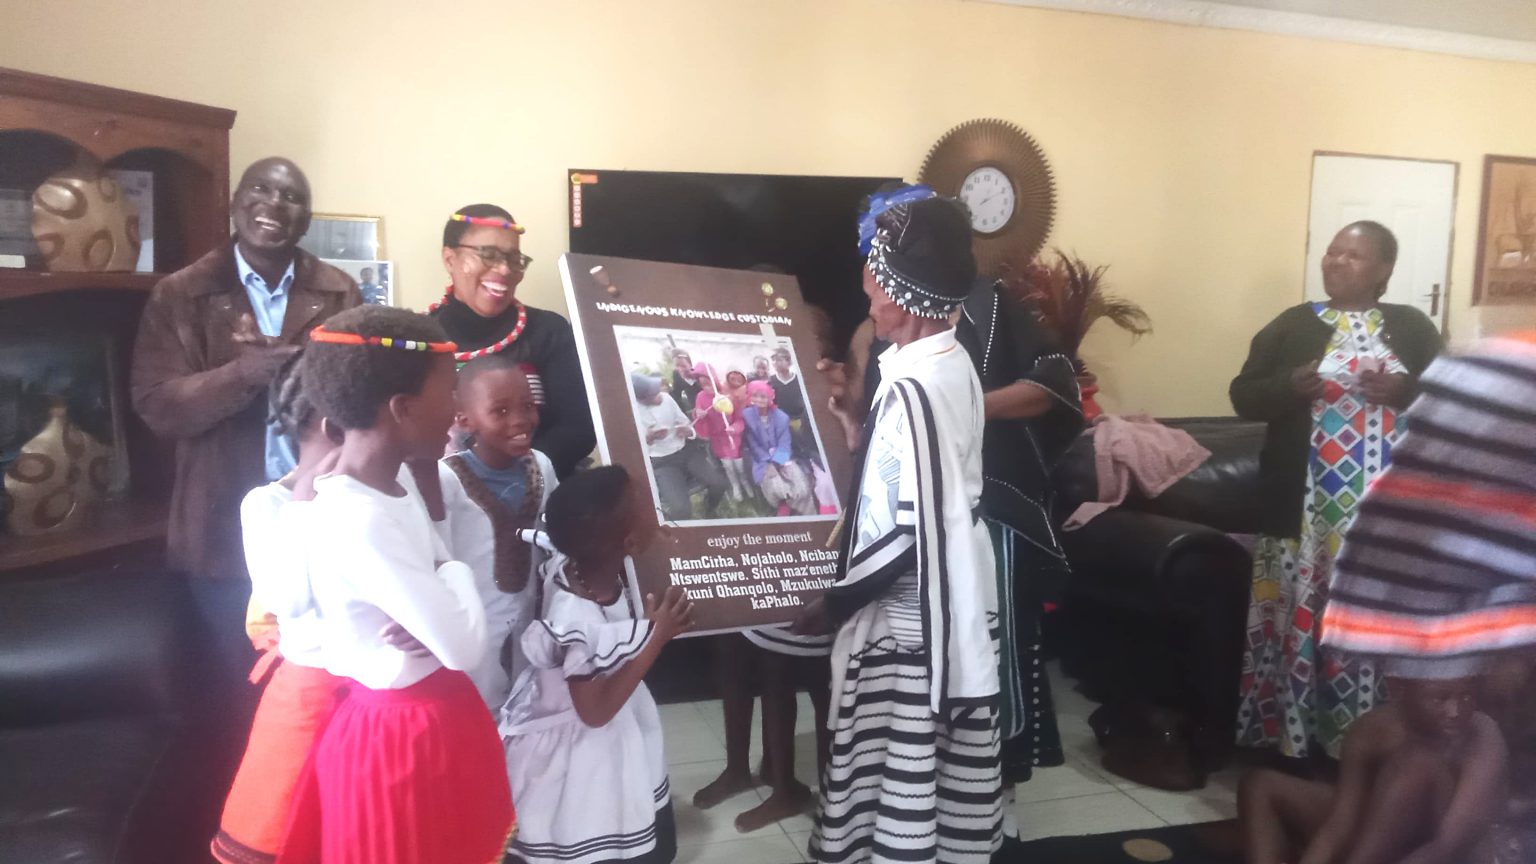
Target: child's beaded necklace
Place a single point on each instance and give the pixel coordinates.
(580, 588)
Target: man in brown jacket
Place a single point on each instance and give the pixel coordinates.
(212, 338)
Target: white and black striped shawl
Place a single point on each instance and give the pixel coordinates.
(939, 532)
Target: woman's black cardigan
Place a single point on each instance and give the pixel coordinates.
(1263, 391)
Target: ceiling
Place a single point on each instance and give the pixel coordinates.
(1487, 29)
(1502, 19)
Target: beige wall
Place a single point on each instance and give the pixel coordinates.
(1182, 154)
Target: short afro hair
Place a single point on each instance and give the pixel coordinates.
(349, 383)
(288, 407)
(585, 506)
(1381, 235)
(488, 363)
(453, 231)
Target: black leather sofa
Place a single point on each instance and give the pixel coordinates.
(103, 756)
(1153, 619)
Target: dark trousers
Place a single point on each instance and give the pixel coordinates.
(676, 476)
(227, 700)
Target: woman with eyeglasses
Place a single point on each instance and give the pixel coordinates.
(480, 311)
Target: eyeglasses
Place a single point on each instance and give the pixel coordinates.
(493, 256)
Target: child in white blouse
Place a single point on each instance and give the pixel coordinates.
(300, 694)
(582, 735)
(409, 767)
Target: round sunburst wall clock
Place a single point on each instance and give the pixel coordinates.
(1002, 176)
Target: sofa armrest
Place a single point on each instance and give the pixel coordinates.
(1126, 557)
(1161, 608)
(94, 645)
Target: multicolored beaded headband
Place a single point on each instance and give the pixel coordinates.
(488, 221)
(320, 334)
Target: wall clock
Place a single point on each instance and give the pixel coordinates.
(1001, 175)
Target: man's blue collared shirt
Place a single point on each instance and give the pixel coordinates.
(270, 306)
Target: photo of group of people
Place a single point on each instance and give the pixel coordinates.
(725, 423)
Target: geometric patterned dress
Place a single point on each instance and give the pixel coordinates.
(1295, 693)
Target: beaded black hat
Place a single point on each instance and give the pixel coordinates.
(921, 256)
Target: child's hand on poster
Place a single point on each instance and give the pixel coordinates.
(673, 615)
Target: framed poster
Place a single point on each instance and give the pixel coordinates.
(337, 237)
(1506, 233)
(750, 542)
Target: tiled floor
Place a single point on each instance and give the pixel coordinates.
(1076, 798)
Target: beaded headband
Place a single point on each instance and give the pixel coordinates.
(908, 294)
(488, 221)
(320, 334)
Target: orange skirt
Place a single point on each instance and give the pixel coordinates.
(294, 709)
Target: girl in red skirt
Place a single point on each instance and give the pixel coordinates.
(410, 769)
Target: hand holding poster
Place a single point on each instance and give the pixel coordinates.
(699, 387)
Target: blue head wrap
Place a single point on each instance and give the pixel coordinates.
(880, 202)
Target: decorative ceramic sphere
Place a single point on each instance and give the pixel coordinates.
(83, 221)
(56, 476)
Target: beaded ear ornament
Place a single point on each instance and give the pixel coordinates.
(488, 221)
(320, 334)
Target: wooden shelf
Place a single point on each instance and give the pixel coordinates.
(110, 525)
(15, 284)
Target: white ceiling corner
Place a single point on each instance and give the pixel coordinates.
(1483, 29)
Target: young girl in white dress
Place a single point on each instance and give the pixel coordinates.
(582, 735)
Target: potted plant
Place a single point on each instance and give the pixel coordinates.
(1070, 297)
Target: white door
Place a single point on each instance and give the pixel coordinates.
(1415, 199)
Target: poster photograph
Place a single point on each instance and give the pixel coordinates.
(767, 462)
(1506, 253)
(703, 385)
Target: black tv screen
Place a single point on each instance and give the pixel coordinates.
(804, 226)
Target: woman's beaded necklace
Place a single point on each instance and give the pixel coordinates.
(495, 347)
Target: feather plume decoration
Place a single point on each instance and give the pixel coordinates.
(1069, 296)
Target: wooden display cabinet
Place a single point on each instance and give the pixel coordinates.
(45, 125)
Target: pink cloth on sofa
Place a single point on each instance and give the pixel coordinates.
(1136, 449)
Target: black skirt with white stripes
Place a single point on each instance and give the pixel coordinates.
(903, 784)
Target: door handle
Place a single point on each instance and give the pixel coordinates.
(1434, 299)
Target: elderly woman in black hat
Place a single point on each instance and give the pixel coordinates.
(914, 667)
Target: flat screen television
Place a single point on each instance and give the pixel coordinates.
(804, 226)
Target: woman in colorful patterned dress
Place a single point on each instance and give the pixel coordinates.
(1329, 379)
